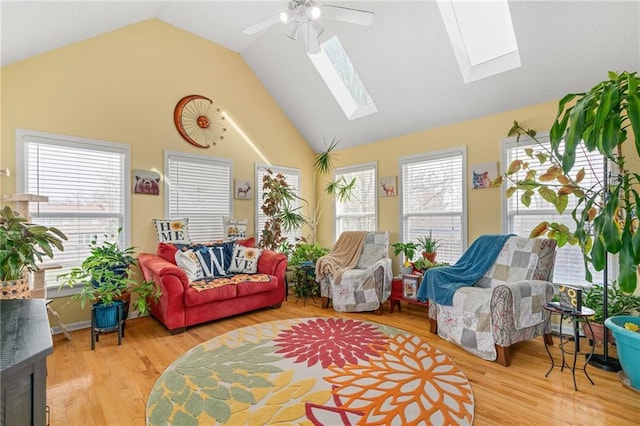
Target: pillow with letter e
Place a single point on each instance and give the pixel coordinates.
(244, 260)
(172, 231)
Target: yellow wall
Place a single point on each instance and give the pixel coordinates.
(482, 138)
(123, 86)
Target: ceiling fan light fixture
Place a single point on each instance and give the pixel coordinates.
(313, 12)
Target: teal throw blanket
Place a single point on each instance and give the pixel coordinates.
(439, 284)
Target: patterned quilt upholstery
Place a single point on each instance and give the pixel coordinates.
(367, 286)
(505, 305)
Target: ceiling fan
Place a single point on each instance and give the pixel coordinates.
(302, 16)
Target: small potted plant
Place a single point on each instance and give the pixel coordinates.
(618, 303)
(105, 281)
(302, 260)
(429, 246)
(22, 244)
(408, 250)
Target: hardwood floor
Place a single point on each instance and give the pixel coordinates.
(110, 386)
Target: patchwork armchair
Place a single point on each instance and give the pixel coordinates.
(504, 306)
(360, 280)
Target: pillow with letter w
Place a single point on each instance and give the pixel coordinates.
(244, 260)
(215, 259)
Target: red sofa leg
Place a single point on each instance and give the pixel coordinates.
(178, 330)
(276, 306)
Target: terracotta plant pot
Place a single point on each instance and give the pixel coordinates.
(598, 333)
(430, 256)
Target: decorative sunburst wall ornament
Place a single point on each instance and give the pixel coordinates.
(198, 121)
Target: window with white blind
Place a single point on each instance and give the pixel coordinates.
(198, 187)
(520, 220)
(433, 199)
(359, 213)
(87, 182)
(292, 177)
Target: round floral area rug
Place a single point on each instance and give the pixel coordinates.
(312, 371)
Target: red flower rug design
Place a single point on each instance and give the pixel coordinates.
(313, 371)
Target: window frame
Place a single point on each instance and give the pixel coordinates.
(197, 158)
(26, 136)
(354, 169)
(432, 156)
(258, 182)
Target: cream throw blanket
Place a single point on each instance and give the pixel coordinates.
(343, 256)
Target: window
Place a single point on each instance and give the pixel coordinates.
(433, 194)
(358, 213)
(520, 219)
(87, 182)
(293, 179)
(198, 187)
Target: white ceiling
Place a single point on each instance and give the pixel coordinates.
(404, 59)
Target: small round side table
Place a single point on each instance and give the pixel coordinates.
(575, 315)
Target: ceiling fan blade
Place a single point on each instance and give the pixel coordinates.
(346, 14)
(262, 25)
(294, 30)
(311, 39)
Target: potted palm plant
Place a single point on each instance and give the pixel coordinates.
(605, 216)
(105, 282)
(22, 245)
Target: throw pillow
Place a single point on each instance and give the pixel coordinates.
(245, 259)
(167, 252)
(234, 229)
(371, 253)
(172, 231)
(188, 261)
(214, 259)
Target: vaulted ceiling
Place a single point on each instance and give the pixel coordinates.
(405, 58)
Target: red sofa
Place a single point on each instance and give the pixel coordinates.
(180, 306)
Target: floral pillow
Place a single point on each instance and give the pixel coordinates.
(172, 231)
(244, 260)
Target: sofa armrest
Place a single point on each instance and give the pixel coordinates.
(273, 263)
(171, 279)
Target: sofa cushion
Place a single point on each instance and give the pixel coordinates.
(167, 251)
(188, 261)
(244, 260)
(215, 259)
(172, 231)
(193, 297)
(251, 287)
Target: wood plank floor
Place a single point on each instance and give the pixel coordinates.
(110, 386)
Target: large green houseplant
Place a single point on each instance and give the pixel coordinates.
(22, 246)
(595, 121)
(279, 199)
(104, 277)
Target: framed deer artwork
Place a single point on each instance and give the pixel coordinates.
(242, 189)
(388, 186)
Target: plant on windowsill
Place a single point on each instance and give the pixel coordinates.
(408, 250)
(429, 246)
(104, 277)
(22, 245)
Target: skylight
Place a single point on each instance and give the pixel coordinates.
(482, 36)
(343, 81)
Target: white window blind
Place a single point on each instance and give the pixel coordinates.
(198, 187)
(87, 182)
(520, 220)
(433, 192)
(292, 177)
(359, 212)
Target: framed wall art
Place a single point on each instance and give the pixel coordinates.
(483, 174)
(242, 189)
(388, 186)
(146, 182)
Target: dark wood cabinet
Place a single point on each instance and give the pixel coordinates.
(25, 338)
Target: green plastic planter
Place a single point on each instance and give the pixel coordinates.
(628, 346)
